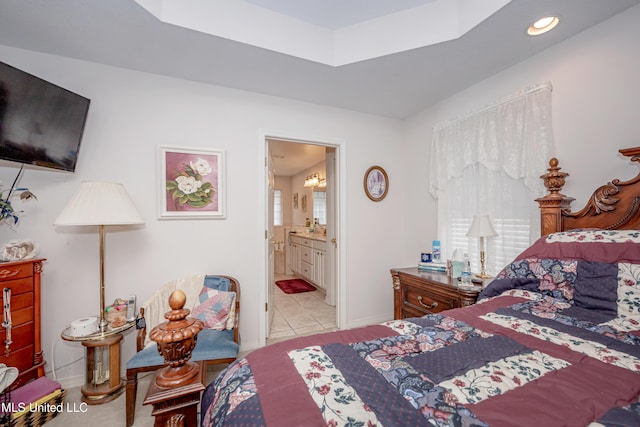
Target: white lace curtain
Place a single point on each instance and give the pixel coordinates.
(490, 162)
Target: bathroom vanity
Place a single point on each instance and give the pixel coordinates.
(308, 253)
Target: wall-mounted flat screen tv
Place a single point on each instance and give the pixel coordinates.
(40, 123)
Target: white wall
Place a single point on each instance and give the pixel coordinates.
(131, 114)
(596, 99)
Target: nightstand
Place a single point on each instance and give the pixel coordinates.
(417, 293)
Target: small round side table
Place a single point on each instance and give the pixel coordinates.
(102, 349)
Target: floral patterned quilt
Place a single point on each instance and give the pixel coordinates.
(553, 341)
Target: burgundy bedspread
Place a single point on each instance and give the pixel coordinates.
(554, 341)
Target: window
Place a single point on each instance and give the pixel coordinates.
(277, 207)
(489, 162)
(320, 206)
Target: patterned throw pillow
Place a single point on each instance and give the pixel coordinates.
(216, 308)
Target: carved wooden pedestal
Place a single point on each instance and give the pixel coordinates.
(175, 407)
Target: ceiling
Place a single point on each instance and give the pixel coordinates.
(123, 33)
(335, 14)
(290, 158)
(391, 58)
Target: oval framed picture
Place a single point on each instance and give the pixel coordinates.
(376, 183)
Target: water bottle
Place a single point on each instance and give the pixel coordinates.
(466, 271)
(435, 250)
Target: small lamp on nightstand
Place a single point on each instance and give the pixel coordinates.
(481, 227)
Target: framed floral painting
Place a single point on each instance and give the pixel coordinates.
(191, 183)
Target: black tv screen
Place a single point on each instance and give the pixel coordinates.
(40, 123)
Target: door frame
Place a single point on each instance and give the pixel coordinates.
(340, 215)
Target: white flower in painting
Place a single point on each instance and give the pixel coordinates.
(188, 184)
(201, 167)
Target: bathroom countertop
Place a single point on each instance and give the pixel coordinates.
(307, 235)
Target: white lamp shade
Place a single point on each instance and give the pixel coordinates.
(481, 226)
(99, 203)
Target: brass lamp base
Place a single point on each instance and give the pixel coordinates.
(483, 275)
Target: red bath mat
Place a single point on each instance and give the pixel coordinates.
(294, 286)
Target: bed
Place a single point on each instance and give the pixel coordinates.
(553, 341)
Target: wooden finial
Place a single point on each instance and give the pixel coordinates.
(553, 203)
(176, 340)
(554, 179)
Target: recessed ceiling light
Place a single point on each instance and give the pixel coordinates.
(542, 25)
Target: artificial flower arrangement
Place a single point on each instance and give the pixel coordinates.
(189, 187)
(8, 214)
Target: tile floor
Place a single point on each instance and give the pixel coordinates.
(300, 314)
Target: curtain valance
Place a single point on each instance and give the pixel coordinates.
(514, 136)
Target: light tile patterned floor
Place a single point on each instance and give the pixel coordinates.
(300, 314)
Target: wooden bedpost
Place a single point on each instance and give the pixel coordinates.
(554, 203)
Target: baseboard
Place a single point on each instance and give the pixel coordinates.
(368, 321)
(71, 382)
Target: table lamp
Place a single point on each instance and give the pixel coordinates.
(101, 204)
(481, 227)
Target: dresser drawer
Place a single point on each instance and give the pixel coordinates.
(426, 301)
(21, 337)
(17, 271)
(21, 358)
(21, 300)
(18, 286)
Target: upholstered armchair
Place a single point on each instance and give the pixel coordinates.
(213, 299)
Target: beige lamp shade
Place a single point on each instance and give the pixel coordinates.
(99, 203)
(481, 226)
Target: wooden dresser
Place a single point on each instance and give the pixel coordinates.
(25, 350)
(417, 293)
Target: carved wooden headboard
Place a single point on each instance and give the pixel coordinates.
(615, 205)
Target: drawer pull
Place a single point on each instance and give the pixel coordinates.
(433, 304)
(9, 273)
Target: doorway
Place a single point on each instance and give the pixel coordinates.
(286, 172)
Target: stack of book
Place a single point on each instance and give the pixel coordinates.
(438, 267)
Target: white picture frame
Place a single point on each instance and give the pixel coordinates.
(191, 183)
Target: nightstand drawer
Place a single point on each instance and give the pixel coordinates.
(426, 302)
(417, 293)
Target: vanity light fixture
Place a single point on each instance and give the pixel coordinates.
(543, 25)
(312, 180)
